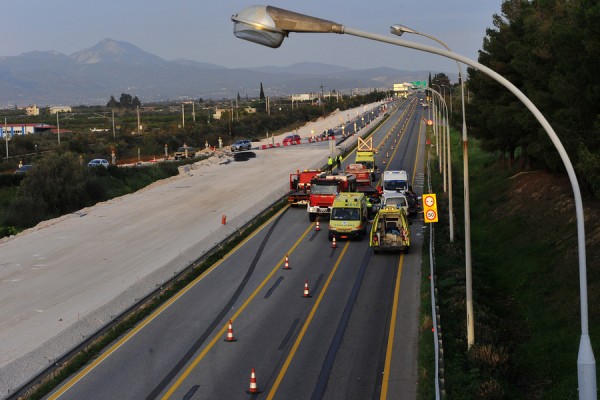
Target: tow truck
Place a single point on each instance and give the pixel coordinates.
(300, 186)
(390, 230)
(323, 190)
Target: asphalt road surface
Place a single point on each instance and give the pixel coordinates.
(354, 337)
(66, 278)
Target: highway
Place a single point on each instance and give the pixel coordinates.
(353, 337)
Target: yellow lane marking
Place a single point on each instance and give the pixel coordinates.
(306, 325)
(220, 334)
(390, 345)
(73, 381)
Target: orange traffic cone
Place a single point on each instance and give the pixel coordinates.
(317, 228)
(230, 337)
(306, 293)
(252, 389)
(333, 244)
(287, 263)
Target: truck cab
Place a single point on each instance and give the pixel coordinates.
(300, 183)
(349, 217)
(323, 190)
(395, 181)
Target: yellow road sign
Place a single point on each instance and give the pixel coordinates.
(430, 212)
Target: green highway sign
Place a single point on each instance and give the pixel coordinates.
(419, 84)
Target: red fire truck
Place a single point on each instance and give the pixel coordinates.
(362, 173)
(300, 186)
(323, 190)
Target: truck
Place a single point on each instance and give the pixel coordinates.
(363, 175)
(349, 216)
(323, 190)
(395, 181)
(365, 155)
(390, 230)
(300, 186)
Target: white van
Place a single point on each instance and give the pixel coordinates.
(395, 181)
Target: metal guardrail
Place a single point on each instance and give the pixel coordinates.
(440, 392)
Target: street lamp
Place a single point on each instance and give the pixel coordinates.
(443, 139)
(269, 25)
(449, 88)
(448, 160)
(399, 30)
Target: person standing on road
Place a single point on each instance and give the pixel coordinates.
(330, 163)
(339, 161)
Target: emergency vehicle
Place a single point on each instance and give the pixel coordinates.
(390, 230)
(300, 186)
(363, 176)
(349, 217)
(323, 190)
(365, 155)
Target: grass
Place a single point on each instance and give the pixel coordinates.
(525, 284)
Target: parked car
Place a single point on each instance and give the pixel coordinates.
(292, 139)
(98, 162)
(185, 152)
(23, 169)
(241, 145)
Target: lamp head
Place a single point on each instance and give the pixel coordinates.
(256, 25)
(269, 25)
(398, 30)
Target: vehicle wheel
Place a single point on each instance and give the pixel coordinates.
(406, 250)
(312, 217)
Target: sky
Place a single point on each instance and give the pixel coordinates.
(202, 30)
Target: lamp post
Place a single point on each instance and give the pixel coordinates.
(269, 25)
(446, 125)
(442, 139)
(449, 88)
(399, 30)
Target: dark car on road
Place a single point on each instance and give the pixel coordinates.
(240, 145)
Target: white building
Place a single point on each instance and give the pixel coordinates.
(56, 109)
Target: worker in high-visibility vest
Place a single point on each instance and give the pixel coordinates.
(330, 163)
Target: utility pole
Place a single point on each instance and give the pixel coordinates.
(58, 128)
(138, 119)
(322, 99)
(193, 112)
(6, 137)
(113, 123)
(182, 116)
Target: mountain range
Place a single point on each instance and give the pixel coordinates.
(90, 76)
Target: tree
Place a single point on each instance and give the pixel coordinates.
(136, 102)
(125, 100)
(56, 186)
(112, 103)
(262, 94)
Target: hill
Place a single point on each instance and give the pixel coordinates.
(92, 75)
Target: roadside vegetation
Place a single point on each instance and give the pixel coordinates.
(523, 224)
(525, 283)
